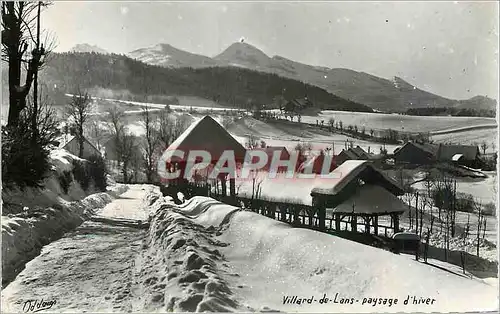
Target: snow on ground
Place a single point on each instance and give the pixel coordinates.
(483, 190)
(22, 238)
(126, 204)
(471, 137)
(289, 135)
(204, 255)
(185, 107)
(256, 262)
(400, 122)
(92, 268)
(298, 190)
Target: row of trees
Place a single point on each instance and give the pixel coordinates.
(433, 211)
(451, 111)
(142, 153)
(31, 124)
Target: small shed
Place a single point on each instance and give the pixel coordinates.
(360, 190)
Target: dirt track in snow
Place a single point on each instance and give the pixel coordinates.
(91, 268)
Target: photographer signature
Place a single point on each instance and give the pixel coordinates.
(32, 306)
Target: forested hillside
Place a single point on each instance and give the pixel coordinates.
(229, 86)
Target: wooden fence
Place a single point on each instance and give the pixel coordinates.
(297, 215)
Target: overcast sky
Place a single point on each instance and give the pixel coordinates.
(447, 48)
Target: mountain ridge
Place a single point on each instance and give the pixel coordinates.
(84, 47)
(396, 95)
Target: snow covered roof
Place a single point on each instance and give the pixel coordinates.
(359, 152)
(208, 135)
(351, 170)
(64, 139)
(445, 152)
(371, 199)
(456, 157)
(349, 154)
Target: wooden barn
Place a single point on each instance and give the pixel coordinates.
(71, 144)
(206, 135)
(416, 153)
(467, 155)
(421, 154)
(272, 151)
(359, 190)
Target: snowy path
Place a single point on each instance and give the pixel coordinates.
(90, 268)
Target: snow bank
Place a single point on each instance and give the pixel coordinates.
(256, 262)
(23, 238)
(36, 217)
(184, 272)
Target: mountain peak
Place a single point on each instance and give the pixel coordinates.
(168, 56)
(241, 53)
(88, 48)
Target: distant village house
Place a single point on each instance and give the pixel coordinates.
(72, 145)
(422, 154)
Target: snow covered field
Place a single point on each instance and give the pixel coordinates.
(262, 262)
(397, 122)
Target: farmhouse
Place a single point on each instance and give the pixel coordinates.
(460, 154)
(420, 154)
(300, 104)
(317, 165)
(111, 152)
(353, 153)
(360, 191)
(416, 153)
(206, 135)
(272, 151)
(71, 144)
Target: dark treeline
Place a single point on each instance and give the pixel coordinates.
(458, 112)
(228, 86)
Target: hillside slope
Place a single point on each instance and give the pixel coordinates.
(228, 86)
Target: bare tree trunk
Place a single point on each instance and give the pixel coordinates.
(426, 247)
(447, 238)
(80, 141)
(478, 230)
(421, 219)
(34, 127)
(484, 226)
(416, 212)
(14, 24)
